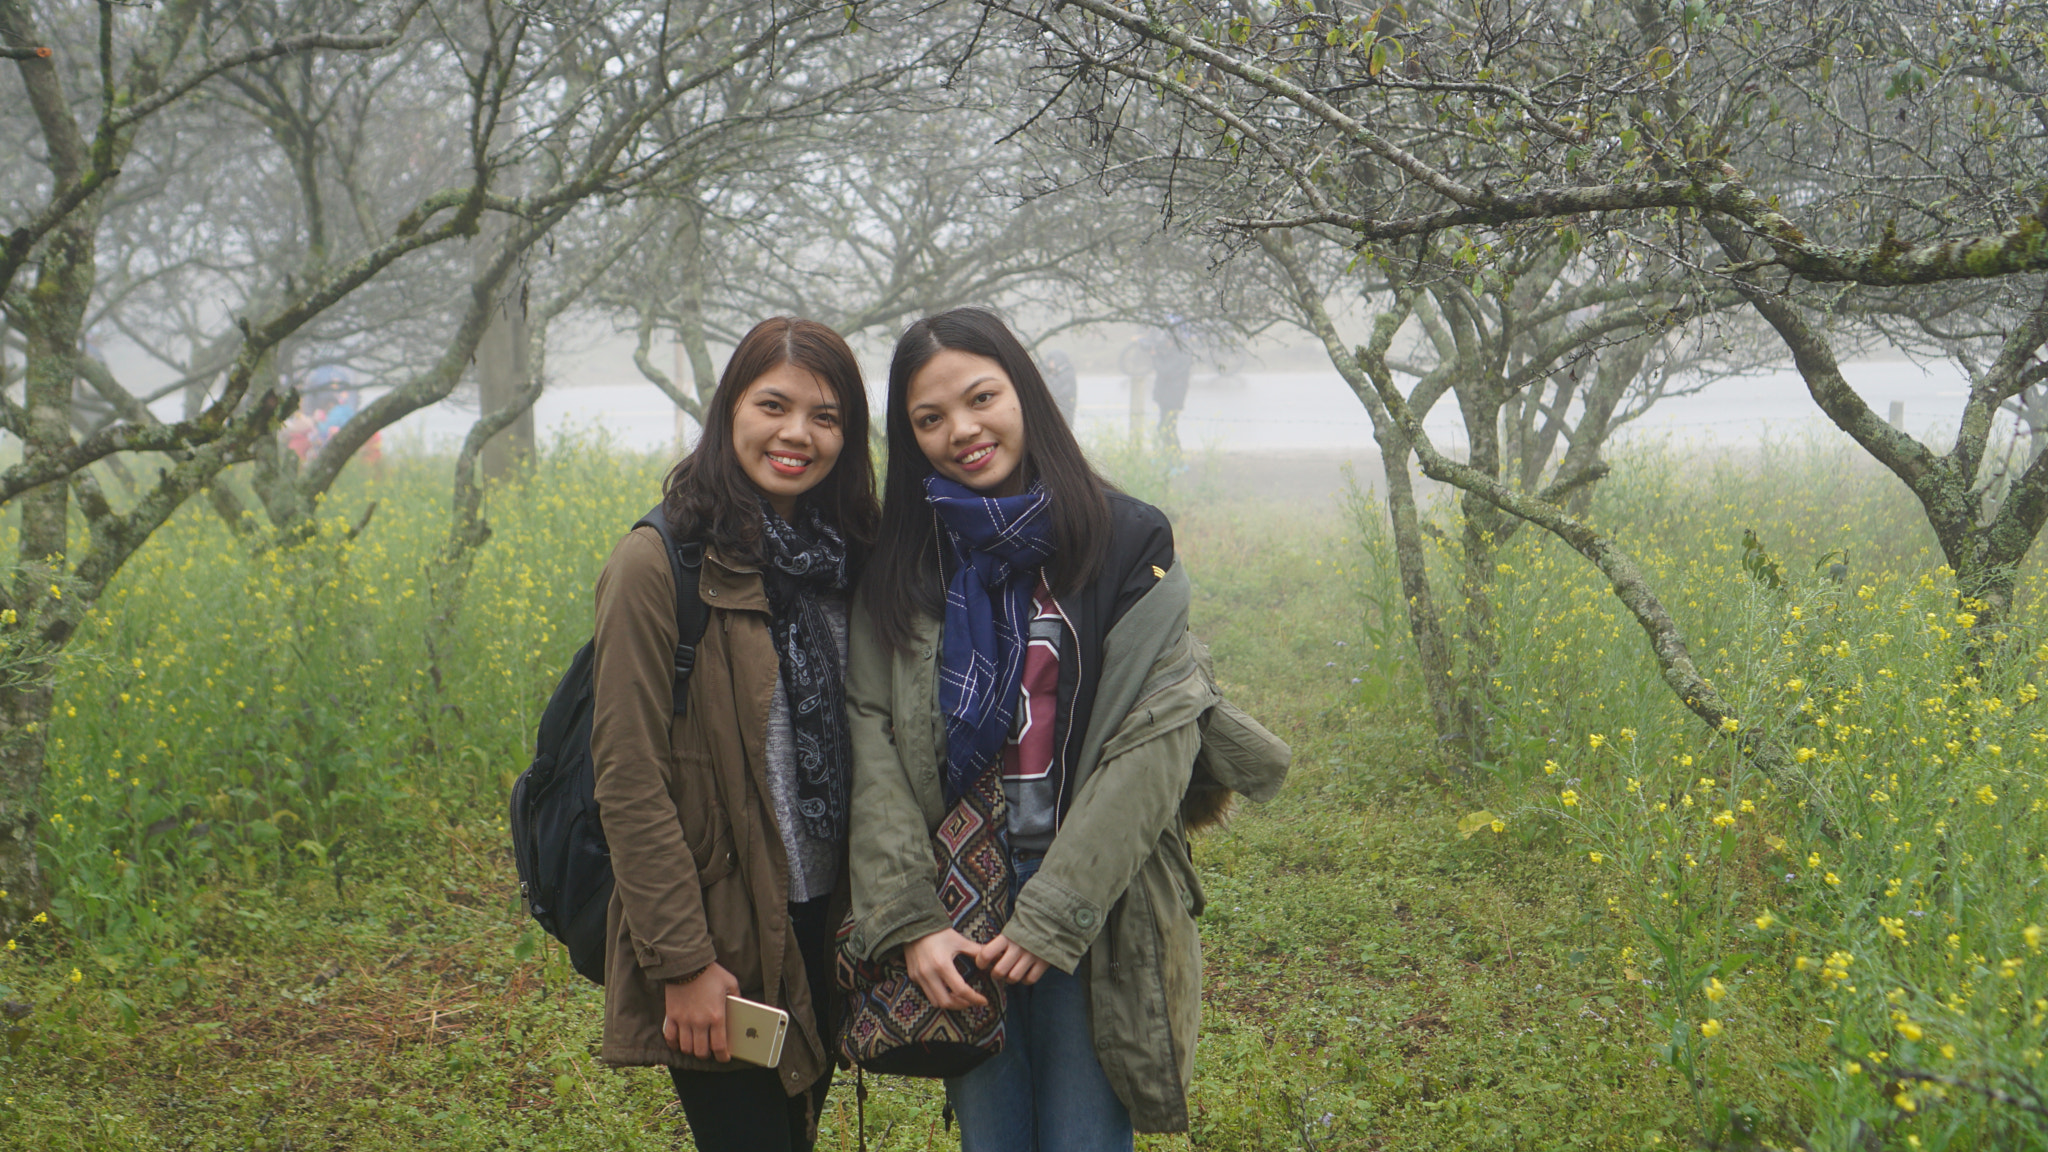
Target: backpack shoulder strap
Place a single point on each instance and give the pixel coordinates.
(685, 562)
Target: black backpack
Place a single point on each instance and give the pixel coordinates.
(565, 868)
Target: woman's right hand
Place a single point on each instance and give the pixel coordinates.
(694, 1022)
(930, 960)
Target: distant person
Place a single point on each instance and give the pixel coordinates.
(331, 401)
(1173, 363)
(346, 403)
(327, 382)
(727, 819)
(298, 435)
(1064, 383)
(343, 411)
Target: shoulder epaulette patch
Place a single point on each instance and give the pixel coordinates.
(1158, 573)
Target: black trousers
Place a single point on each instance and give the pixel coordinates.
(746, 1110)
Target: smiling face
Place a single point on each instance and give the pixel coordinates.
(964, 411)
(787, 434)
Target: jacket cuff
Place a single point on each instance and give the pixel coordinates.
(659, 964)
(912, 915)
(1054, 924)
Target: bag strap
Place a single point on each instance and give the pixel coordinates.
(685, 564)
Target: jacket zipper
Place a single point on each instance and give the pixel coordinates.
(1110, 922)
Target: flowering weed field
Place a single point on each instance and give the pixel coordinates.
(1850, 954)
(284, 917)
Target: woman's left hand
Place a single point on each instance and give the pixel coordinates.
(1008, 961)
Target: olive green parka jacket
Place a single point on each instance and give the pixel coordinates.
(1116, 897)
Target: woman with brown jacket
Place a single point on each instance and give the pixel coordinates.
(727, 823)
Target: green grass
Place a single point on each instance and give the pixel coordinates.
(293, 925)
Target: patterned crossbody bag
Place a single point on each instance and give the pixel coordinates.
(890, 1026)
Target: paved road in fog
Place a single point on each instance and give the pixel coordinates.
(1301, 411)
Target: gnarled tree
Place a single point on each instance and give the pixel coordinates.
(1634, 135)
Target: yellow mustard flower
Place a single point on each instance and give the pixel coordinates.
(1710, 1028)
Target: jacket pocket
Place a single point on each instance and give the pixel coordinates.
(706, 827)
(715, 860)
(735, 930)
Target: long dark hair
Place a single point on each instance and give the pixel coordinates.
(903, 582)
(708, 496)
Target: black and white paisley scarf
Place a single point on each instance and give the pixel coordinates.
(805, 562)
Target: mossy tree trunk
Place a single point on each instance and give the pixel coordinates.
(1491, 350)
(468, 529)
(1629, 583)
(1984, 547)
(51, 314)
(1425, 620)
(55, 577)
(683, 311)
(504, 368)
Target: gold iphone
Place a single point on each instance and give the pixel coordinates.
(753, 1032)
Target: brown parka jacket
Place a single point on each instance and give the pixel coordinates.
(699, 864)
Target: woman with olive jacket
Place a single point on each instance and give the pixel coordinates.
(727, 823)
(1092, 689)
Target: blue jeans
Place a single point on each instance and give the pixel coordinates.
(1045, 1089)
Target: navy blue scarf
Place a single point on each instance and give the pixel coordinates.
(997, 545)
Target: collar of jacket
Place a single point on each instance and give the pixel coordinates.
(725, 584)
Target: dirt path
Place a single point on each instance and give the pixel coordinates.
(1289, 476)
